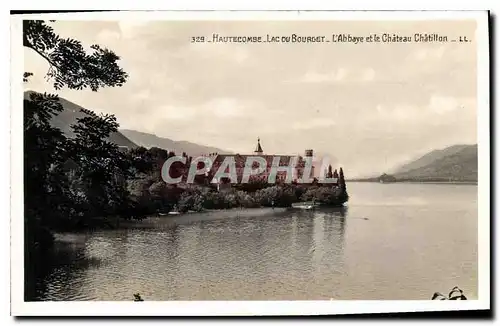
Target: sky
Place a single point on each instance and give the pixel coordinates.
(370, 107)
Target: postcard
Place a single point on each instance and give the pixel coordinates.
(184, 163)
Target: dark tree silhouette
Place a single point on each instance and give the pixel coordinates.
(52, 196)
(55, 199)
(329, 174)
(69, 64)
(455, 294)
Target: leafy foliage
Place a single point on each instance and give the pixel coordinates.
(198, 198)
(102, 169)
(455, 294)
(69, 64)
(329, 195)
(67, 182)
(253, 185)
(26, 76)
(44, 153)
(84, 180)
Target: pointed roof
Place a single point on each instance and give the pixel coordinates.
(258, 149)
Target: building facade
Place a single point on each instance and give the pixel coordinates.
(284, 160)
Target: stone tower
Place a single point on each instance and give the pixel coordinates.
(258, 149)
(309, 155)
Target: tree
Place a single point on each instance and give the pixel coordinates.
(329, 174)
(102, 168)
(455, 294)
(69, 64)
(329, 195)
(49, 199)
(140, 160)
(342, 179)
(44, 154)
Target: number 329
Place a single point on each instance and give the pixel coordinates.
(197, 39)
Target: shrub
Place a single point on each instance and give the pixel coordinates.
(253, 185)
(299, 191)
(191, 200)
(213, 200)
(330, 195)
(246, 200)
(279, 196)
(455, 294)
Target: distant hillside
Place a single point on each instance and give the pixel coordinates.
(455, 163)
(150, 140)
(68, 116)
(431, 157)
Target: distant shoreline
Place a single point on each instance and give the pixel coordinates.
(416, 181)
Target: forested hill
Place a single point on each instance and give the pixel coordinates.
(432, 157)
(150, 140)
(454, 163)
(68, 116)
(457, 163)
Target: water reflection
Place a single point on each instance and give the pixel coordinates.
(59, 271)
(245, 256)
(281, 254)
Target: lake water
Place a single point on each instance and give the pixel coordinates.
(393, 241)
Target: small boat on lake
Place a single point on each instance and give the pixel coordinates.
(305, 205)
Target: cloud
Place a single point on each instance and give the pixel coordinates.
(315, 77)
(214, 110)
(225, 108)
(129, 28)
(438, 106)
(352, 101)
(171, 112)
(429, 53)
(368, 75)
(141, 95)
(312, 123)
(443, 104)
(107, 36)
(337, 76)
(233, 52)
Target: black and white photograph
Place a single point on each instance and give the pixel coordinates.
(166, 159)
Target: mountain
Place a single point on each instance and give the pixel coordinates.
(454, 163)
(431, 157)
(68, 116)
(150, 140)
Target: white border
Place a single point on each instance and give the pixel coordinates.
(266, 15)
(483, 141)
(238, 308)
(194, 308)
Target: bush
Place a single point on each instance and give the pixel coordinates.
(246, 200)
(279, 196)
(299, 191)
(213, 200)
(455, 294)
(150, 196)
(329, 195)
(191, 200)
(253, 185)
(228, 199)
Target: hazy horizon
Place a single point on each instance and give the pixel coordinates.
(372, 107)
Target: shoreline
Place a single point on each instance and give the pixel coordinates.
(166, 221)
(419, 182)
(158, 221)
